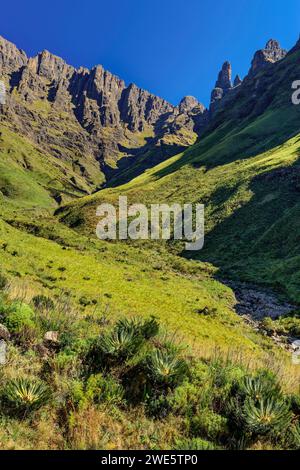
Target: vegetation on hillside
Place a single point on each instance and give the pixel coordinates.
(102, 384)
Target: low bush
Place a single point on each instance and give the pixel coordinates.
(194, 444)
(42, 302)
(208, 424)
(17, 317)
(3, 282)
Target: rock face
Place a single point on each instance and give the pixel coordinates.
(224, 92)
(98, 126)
(270, 54)
(99, 98)
(11, 58)
(139, 108)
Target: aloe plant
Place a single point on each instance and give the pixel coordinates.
(165, 368)
(146, 328)
(266, 415)
(25, 394)
(258, 388)
(120, 343)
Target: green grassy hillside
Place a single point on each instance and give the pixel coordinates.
(247, 174)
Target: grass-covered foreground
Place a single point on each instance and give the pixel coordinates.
(94, 383)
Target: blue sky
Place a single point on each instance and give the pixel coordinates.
(169, 47)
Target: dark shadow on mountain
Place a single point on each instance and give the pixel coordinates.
(259, 242)
(133, 165)
(15, 78)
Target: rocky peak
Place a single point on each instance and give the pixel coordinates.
(139, 107)
(224, 77)
(270, 54)
(52, 67)
(223, 83)
(187, 104)
(237, 81)
(11, 58)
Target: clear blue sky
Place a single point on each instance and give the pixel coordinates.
(170, 47)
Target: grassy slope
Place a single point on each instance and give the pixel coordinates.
(126, 281)
(251, 221)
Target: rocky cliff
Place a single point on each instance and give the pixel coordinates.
(73, 112)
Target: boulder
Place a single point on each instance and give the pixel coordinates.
(52, 338)
(3, 347)
(4, 333)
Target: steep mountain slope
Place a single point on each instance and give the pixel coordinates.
(245, 169)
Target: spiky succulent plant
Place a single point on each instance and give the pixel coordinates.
(26, 394)
(266, 415)
(258, 388)
(145, 328)
(121, 343)
(166, 368)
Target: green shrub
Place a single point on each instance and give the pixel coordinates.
(194, 444)
(26, 395)
(3, 282)
(207, 423)
(194, 392)
(98, 389)
(104, 389)
(19, 316)
(158, 406)
(85, 301)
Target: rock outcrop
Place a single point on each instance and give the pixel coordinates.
(188, 103)
(224, 78)
(270, 54)
(223, 83)
(237, 81)
(11, 58)
(139, 107)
